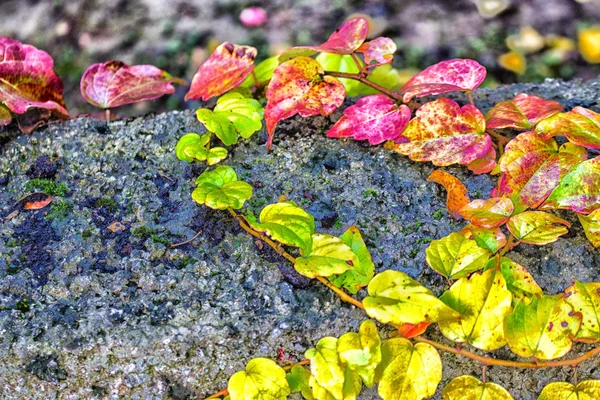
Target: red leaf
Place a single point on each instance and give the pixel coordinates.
(489, 213)
(522, 112)
(458, 196)
(380, 50)
(446, 76)
(484, 164)
(115, 83)
(27, 80)
(444, 133)
(345, 40)
(374, 118)
(299, 86)
(580, 125)
(226, 68)
(409, 330)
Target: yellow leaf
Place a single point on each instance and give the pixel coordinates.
(589, 44)
(537, 227)
(262, 379)
(350, 389)
(591, 226)
(361, 352)
(467, 387)
(543, 328)
(528, 40)
(455, 256)
(585, 299)
(518, 280)
(408, 372)
(396, 298)
(586, 390)
(482, 301)
(514, 62)
(329, 256)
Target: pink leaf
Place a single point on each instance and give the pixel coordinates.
(380, 50)
(115, 83)
(522, 112)
(374, 118)
(226, 68)
(345, 40)
(253, 16)
(484, 164)
(446, 76)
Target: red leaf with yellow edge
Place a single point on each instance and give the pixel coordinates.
(410, 330)
(27, 80)
(447, 76)
(579, 190)
(457, 192)
(532, 167)
(522, 112)
(115, 83)
(380, 50)
(345, 40)
(225, 69)
(444, 133)
(298, 86)
(374, 118)
(580, 125)
(484, 164)
(591, 226)
(488, 213)
(537, 227)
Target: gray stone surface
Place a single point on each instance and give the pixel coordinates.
(86, 313)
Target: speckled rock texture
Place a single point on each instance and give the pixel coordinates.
(90, 309)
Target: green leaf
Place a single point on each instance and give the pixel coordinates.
(591, 226)
(537, 227)
(219, 189)
(518, 280)
(408, 372)
(586, 390)
(362, 272)
(455, 256)
(482, 301)
(298, 379)
(487, 238)
(219, 125)
(189, 144)
(542, 328)
(396, 298)
(262, 379)
(329, 256)
(585, 299)
(215, 155)
(361, 351)
(287, 223)
(467, 387)
(263, 72)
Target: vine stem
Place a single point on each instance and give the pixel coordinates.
(363, 79)
(570, 362)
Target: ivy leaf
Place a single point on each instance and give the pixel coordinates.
(444, 133)
(215, 155)
(288, 224)
(326, 369)
(484, 164)
(374, 118)
(298, 380)
(299, 86)
(263, 72)
(586, 390)
(489, 213)
(408, 372)
(226, 68)
(522, 112)
(28, 81)
(329, 256)
(262, 379)
(189, 144)
(457, 197)
(468, 387)
(360, 275)
(115, 84)
(361, 351)
(411, 330)
(446, 76)
(537, 227)
(456, 256)
(396, 298)
(578, 191)
(519, 281)
(345, 40)
(532, 167)
(482, 301)
(580, 125)
(542, 328)
(585, 299)
(381, 50)
(487, 238)
(591, 226)
(219, 189)
(5, 117)
(350, 389)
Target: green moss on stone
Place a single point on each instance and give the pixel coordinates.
(47, 186)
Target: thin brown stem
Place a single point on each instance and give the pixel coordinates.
(256, 81)
(220, 393)
(358, 63)
(509, 245)
(187, 241)
(470, 96)
(362, 78)
(343, 296)
(107, 114)
(483, 373)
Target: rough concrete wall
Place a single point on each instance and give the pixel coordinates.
(122, 315)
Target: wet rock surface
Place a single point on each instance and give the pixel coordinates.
(95, 303)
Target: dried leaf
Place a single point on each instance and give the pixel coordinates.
(37, 204)
(580, 125)
(263, 378)
(586, 390)
(488, 213)
(115, 84)
(537, 227)
(522, 112)
(585, 299)
(446, 76)
(380, 50)
(468, 387)
(226, 68)
(457, 192)
(455, 256)
(374, 118)
(116, 226)
(591, 226)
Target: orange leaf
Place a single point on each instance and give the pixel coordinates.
(36, 205)
(457, 192)
(409, 330)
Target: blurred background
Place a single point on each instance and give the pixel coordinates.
(517, 40)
